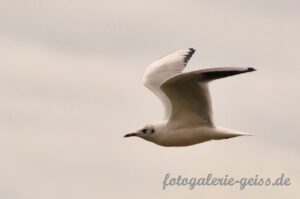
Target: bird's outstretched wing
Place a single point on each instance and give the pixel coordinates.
(190, 97)
(163, 69)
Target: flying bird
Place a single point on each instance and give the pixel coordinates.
(185, 96)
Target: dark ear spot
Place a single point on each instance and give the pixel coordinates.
(152, 130)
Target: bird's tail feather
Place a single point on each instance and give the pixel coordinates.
(229, 133)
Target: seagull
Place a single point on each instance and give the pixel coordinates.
(185, 96)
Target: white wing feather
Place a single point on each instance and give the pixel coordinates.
(163, 69)
(190, 97)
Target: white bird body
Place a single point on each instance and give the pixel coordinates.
(187, 102)
(184, 136)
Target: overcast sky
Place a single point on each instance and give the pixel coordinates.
(70, 81)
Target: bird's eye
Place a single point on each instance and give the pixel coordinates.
(144, 130)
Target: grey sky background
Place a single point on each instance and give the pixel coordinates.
(70, 81)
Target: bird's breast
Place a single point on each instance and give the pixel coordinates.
(184, 136)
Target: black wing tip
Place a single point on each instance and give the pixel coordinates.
(189, 55)
(250, 69)
(192, 50)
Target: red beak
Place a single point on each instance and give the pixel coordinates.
(129, 135)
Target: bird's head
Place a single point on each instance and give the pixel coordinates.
(146, 133)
